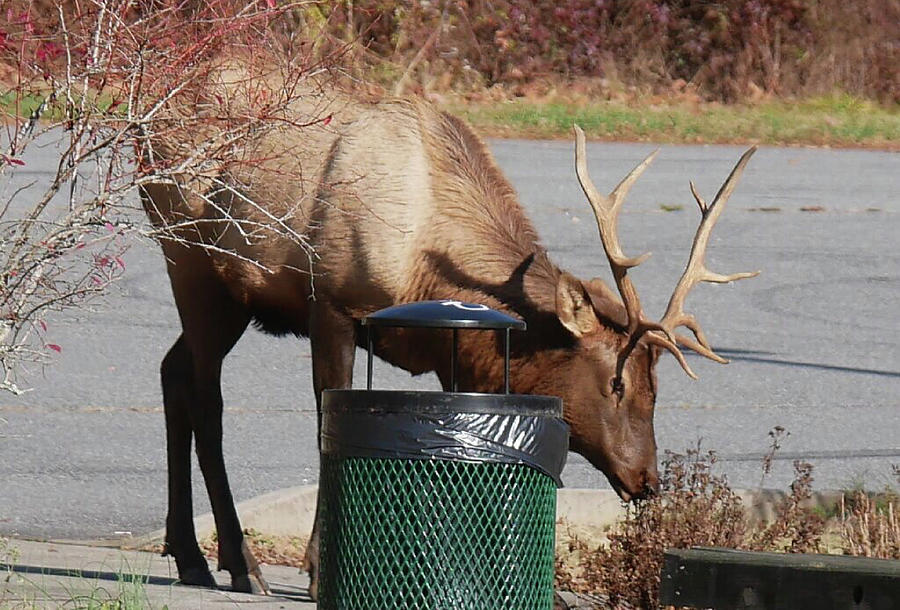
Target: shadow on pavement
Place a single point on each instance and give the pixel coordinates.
(278, 590)
(755, 356)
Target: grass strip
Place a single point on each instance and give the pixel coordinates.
(839, 121)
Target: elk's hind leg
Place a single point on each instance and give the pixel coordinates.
(212, 323)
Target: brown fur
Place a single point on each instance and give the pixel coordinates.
(400, 203)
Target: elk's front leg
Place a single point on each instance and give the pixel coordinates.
(333, 341)
(181, 539)
(234, 555)
(206, 421)
(209, 334)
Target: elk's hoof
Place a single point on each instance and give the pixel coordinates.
(313, 581)
(197, 577)
(250, 583)
(311, 563)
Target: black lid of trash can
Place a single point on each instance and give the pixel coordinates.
(446, 313)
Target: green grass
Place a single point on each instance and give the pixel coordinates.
(13, 105)
(22, 106)
(127, 592)
(837, 120)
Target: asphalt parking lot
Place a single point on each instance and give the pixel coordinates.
(814, 342)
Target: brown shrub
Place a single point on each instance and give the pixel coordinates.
(733, 50)
(729, 50)
(796, 527)
(695, 507)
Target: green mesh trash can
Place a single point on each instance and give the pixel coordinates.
(438, 500)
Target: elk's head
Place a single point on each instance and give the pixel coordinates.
(611, 381)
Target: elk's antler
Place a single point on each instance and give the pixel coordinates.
(696, 272)
(606, 210)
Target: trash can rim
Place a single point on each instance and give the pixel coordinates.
(433, 402)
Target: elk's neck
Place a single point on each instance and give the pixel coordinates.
(479, 240)
(479, 247)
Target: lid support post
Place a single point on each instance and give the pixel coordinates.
(446, 314)
(506, 362)
(454, 358)
(369, 343)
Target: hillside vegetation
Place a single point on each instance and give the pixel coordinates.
(730, 51)
(821, 72)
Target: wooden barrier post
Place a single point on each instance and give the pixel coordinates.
(727, 579)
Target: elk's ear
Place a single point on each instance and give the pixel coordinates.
(573, 306)
(607, 303)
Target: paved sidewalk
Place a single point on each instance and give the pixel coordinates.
(63, 575)
(52, 575)
(46, 574)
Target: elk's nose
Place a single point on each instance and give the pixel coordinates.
(651, 483)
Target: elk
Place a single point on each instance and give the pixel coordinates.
(401, 202)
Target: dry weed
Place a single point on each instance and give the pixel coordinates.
(695, 507)
(870, 526)
(796, 528)
(271, 550)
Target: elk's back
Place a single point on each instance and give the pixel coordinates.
(363, 212)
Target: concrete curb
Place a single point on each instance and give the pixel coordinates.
(284, 512)
(291, 511)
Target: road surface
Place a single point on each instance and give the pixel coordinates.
(814, 341)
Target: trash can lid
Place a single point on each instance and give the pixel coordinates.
(446, 313)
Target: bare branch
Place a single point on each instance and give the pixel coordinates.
(113, 80)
